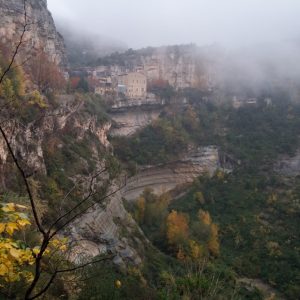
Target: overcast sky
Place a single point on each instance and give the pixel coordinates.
(141, 23)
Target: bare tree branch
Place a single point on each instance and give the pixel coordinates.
(53, 276)
(18, 45)
(47, 235)
(84, 211)
(86, 264)
(90, 194)
(24, 177)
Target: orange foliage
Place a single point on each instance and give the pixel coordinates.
(204, 217)
(213, 243)
(177, 228)
(46, 74)
(196, 250)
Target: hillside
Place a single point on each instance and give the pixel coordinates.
(190, 194)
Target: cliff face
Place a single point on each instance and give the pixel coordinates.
(28, 141)
(182, 67)
(54, 132)
(129, 122)
(41, 32)
(166, 177)
(102, 228)
(107, 229)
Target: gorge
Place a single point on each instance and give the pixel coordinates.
(190, 191)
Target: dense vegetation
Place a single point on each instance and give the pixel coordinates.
(224, 230)
(162, 141)
(257, 209)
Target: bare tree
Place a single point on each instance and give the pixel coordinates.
(45, 73)
(92, 197)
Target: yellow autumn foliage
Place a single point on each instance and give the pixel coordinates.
(204, 217)
(213, 243)
(177, 228)
(196, 250)
(15, 255)
(35, 98)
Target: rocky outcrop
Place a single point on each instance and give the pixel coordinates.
(101, 230)
(27, 140)
(184, 66)
(40, 34)
(27, 144)
(104, 228)
(129, 121)
(181, 66)
(163, 178)
(289, 165)
(108, 229)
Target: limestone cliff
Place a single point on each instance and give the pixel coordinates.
(107, 229)
(103, 227)
(165, 177)
(128, 122)
(41, 33)
(28, 140)
(182, 66)
(185, 66)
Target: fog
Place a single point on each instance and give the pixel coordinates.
(259, 40)
(141, 23)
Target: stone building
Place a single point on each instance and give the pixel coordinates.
(135, 83)
(105, 86)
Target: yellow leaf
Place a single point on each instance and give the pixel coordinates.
(28, 276)
(3, 270)
(2, 227)
(12, 276)
(11, 227)
(118, 284)
(14, 253)
(23, 222)
(27, 256)
(5, 245)
(63, 248)
(9, 207)
(36, 250)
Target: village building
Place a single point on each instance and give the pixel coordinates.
(135, 85)
(105, 86)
